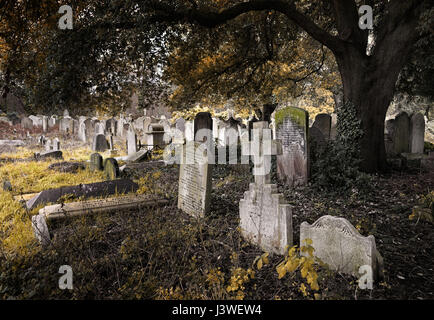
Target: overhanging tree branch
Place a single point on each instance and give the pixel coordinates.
(212, 19)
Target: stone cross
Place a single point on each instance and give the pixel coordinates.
(261, 148)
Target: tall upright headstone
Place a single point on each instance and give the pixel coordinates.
(401, 133)
(131, 141)
(417, 133)
(189, 131)
(203, 127)
(99, 143)
(44, 123)
(323, 122)
(195, 182)
(265, 218)
(292, 131)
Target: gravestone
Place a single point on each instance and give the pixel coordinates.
(56, 144)
(180, 124)
(48, 145)
(99, 143)
(203, 122)
(37, 121)
(26, 123)
(66, 125)
(338, 244)
(84, 190)
(111, 169)
(417, 133)
(195, 183)
(111, 126)
(65, 113)
(401, 134)
(49, 154)
(52, 121)
(131, 141)
(155, 136)
(96, 162)
(292, 131)
(44, 123)
(265, 218)
(40, 229)
(189, 131)
(323, 122)
(73, 209)
(317, 138)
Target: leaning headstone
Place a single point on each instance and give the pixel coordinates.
(337, 243)
(111, 169)
(265, 218)
(292, 130)
(323, 122)
(139, 156)
(417, 133)
(99, 143)
(84, 190)
(51, 154)
(401, 133)
(96, 162)
(195, 174)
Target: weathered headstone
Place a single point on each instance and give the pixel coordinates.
(56, 144)
(401, 134)
(203, 127)
(96, 162)
(265, 219)
(316, 137)
(189, 131)
(48, 145)
(44, 123)
(84, 190)
(323, 122)
(155, 136)
(417, 133)
(99, 143)
(40, 229)
(292, 130)
(195, 174)
(26, 123)
(49, 154)
(111, 169)
(337, 243)
(131, 141)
